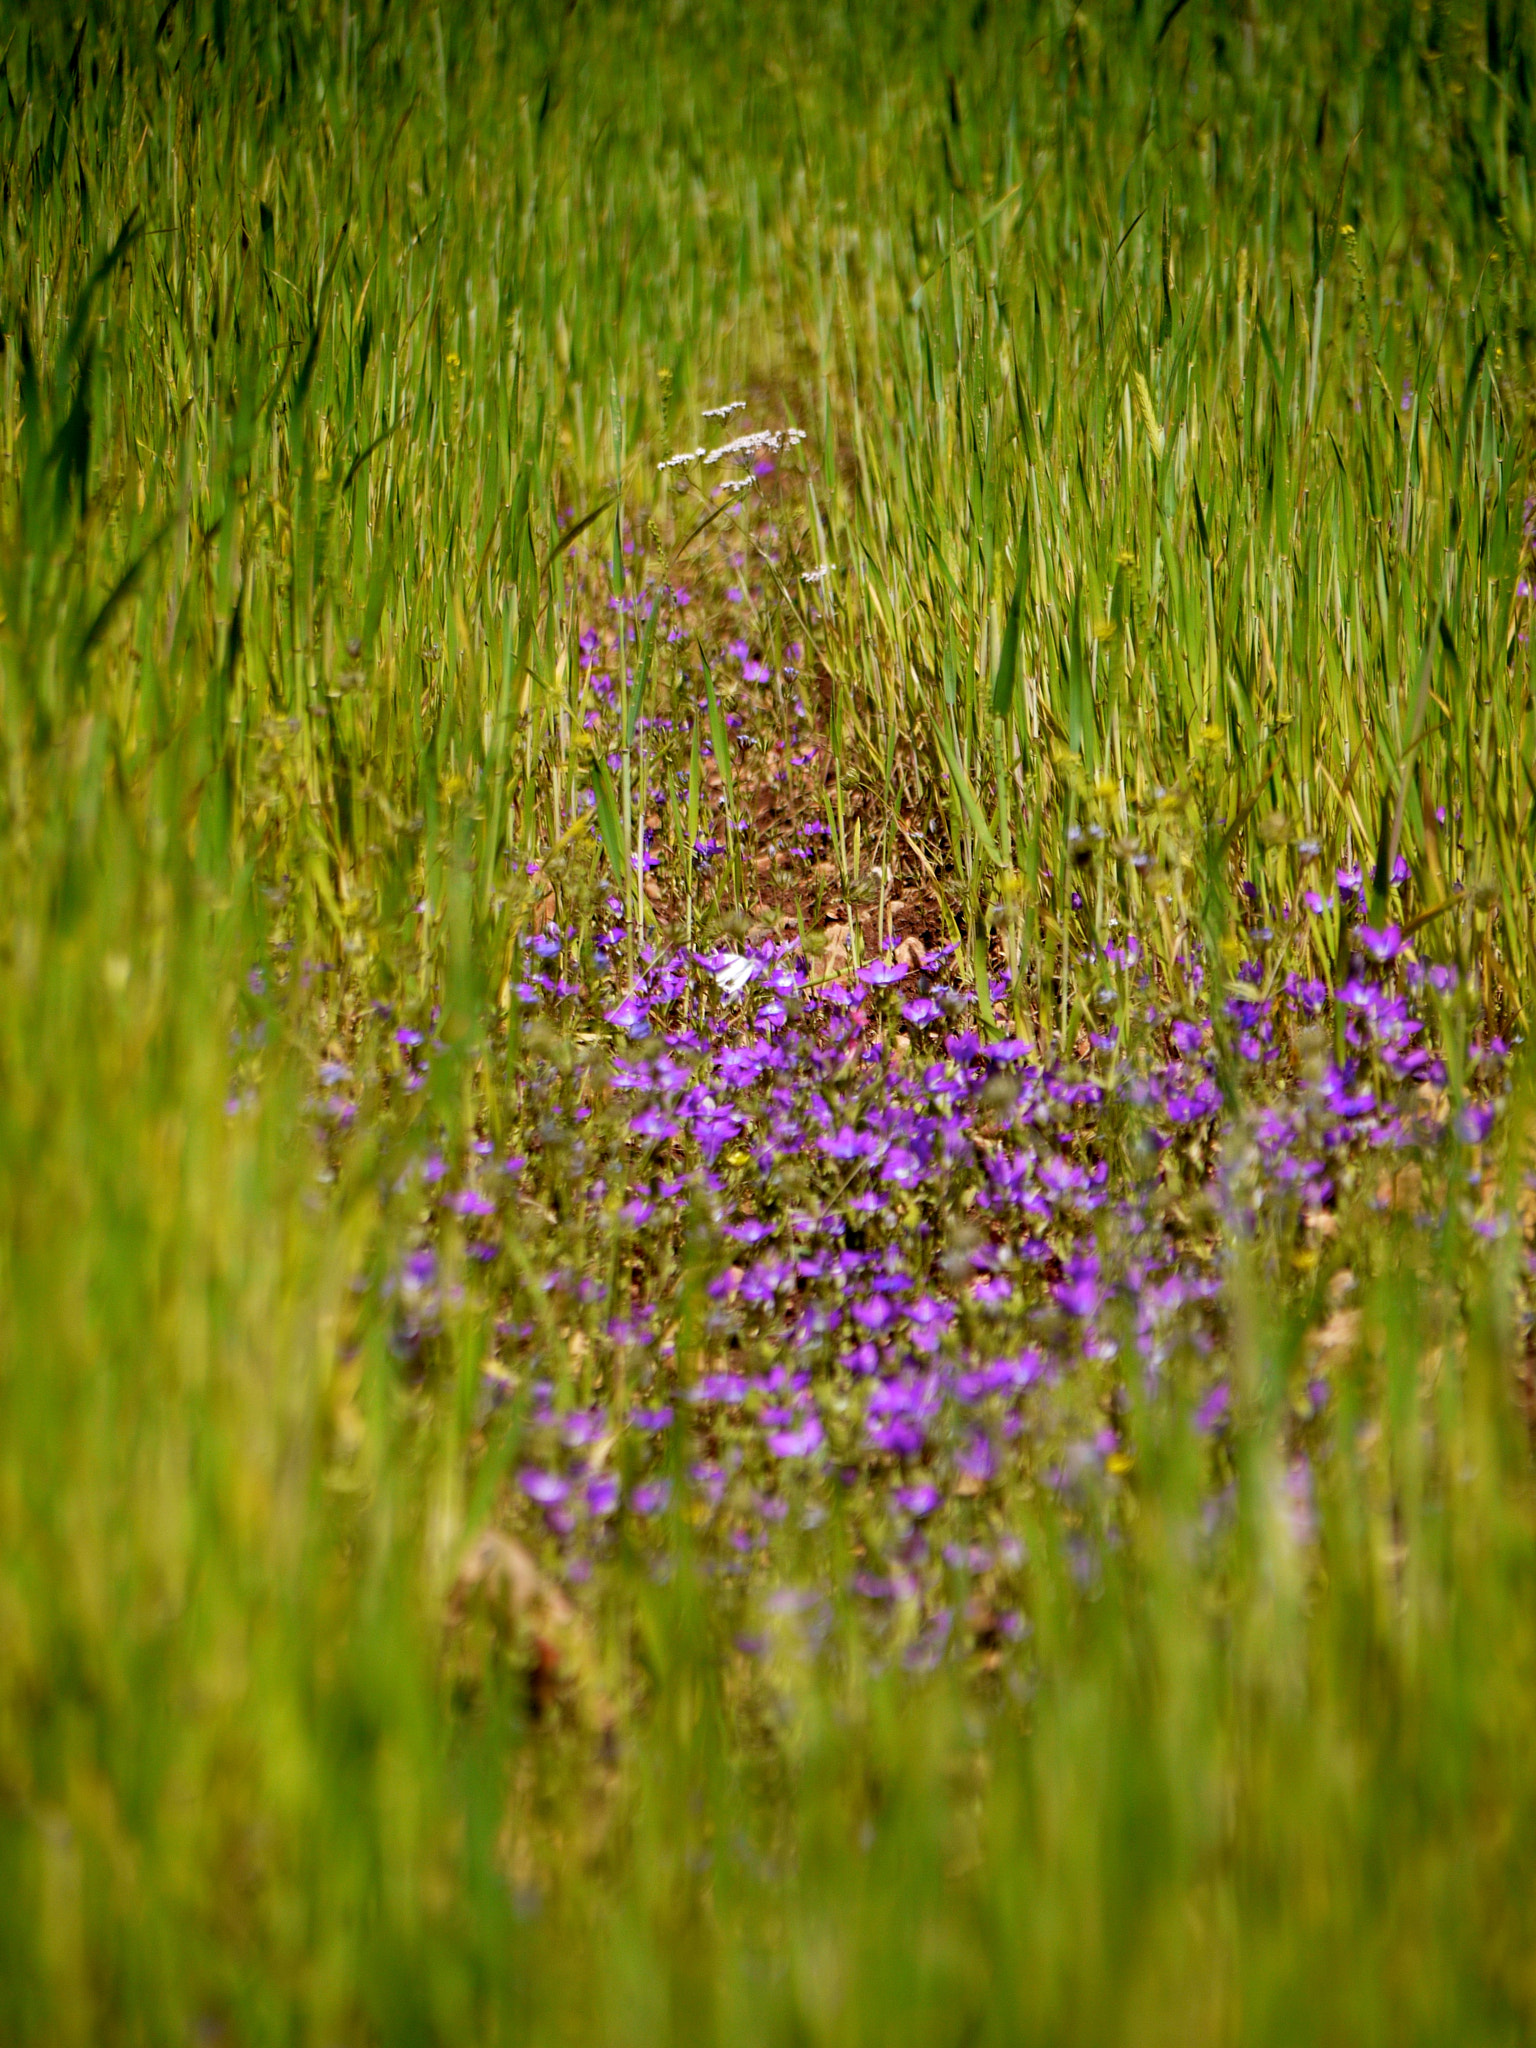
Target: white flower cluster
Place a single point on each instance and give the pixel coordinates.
(816, 575)
(768, 441)
(723, 412)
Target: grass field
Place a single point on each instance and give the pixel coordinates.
(766, 1198)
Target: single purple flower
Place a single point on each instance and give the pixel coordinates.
(877, 1315)
(921, 1010)
(547, 1488)
(901, 1168)
(632, 1016)
(1383, 945)
(421, 1267)
(1474, 1121)
(1213, 1409)
(916, 1501)
(602, 1494)
(974, 1459)
(800, 1442)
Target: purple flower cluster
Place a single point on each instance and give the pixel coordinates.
(812, 1240)
(924, 1264)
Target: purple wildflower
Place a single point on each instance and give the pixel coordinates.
(602, 1495)
(1212, 1411)
(631, 1015)
(548, 1489)
(916, 1501)
(1383, 945)
(882, 974)
(801, 1441)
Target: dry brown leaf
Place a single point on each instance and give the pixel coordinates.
(1408, 1190)
(498, 1566)
(530, 1612)
(835, 958)
(1340, 1333)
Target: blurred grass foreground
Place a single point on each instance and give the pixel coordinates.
(765, 909)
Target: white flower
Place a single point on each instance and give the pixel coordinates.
(733, 971)
(723, 412)
(817, 575)
(768, 441)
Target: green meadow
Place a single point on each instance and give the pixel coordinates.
(767, 837)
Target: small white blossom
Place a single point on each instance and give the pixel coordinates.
(734, 971)
(768, 441)
(723, 412)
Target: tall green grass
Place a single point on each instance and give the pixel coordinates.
(317, 321)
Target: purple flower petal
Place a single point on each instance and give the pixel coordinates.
(547, 1488)
(800, 1442)
(916, 1501)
